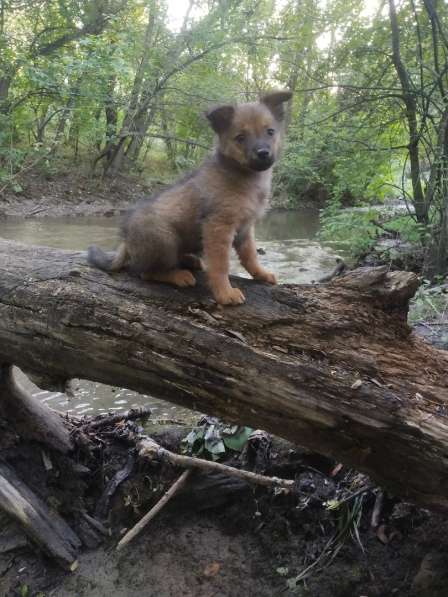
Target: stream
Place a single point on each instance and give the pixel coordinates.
(291, 250)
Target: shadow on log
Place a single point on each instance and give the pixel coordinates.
(331, 367)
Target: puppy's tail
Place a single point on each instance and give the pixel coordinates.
(106, 261)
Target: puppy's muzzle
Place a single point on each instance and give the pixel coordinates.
(262, 160)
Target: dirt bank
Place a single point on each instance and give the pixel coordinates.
(73, 194)
(223, 540)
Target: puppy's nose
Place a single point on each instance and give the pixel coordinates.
(263, 154)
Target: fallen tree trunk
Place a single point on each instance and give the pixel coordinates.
(331, 367)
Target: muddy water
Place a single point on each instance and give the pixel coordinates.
(288, 239)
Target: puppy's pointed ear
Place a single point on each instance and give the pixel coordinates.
(275, 100)
(220, 118)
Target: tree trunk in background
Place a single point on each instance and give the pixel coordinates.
(110, 109)
(66, 112)
(41, 124)
(436, 259)
(169, 143)
(5, 84)
(115, 151)
(331, 367)
(142, 125)
(421, 208)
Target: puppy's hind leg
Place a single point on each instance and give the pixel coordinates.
(192, 261)
(177, 277)
(162, 260)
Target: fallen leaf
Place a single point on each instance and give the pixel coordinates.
(357, 384)
(282, 570)
(336, 470)
(212, 569)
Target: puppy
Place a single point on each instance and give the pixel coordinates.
(211, 210)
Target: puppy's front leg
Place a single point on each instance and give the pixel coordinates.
(217, 240)
(247, 252)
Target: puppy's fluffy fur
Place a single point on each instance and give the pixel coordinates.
(212, 209)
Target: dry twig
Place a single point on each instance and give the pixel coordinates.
(149, 449)
(177, 485)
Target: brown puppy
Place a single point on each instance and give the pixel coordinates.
(211, 209)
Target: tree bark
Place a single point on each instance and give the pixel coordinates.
(116, 148)
(436, 258)
(334, 368)
(31, 418)
(43, 525)
(421, 208)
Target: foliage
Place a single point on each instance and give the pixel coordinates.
(351, 230)
(429, 304)
(348, 519)
(355, 230)
(120, 83)
(213, 439)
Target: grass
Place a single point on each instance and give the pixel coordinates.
(428, 306)
(356, 231)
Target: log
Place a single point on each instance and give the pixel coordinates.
(31, 417)
(44, 526)
(332, 367)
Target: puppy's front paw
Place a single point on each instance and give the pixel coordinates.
(229, 296)
(265, 276)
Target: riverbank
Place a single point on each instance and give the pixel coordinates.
(73, 194)
(336, 535)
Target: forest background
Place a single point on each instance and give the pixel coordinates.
(112, 87)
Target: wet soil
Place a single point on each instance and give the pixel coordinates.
(229, 539)
(74, 194)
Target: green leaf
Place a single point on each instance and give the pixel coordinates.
(237, 439)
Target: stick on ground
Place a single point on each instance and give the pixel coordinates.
(177, 485)
(148, 448)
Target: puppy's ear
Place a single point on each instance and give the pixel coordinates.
(220, 118)
(275, 100)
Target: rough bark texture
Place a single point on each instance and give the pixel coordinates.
(421, 209)
(43, 525)
(291, 360)
(31, 418)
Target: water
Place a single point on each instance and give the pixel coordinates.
(291, 251)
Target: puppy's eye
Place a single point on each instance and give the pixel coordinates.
(240, 138)
(270, 132)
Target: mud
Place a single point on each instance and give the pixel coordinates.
(227, 540)
(73, 194)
